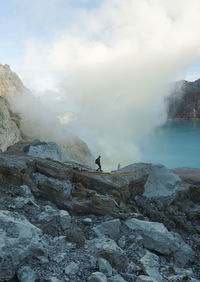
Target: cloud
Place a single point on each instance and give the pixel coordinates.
(112, 66)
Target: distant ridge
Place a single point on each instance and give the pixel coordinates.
(184, 101)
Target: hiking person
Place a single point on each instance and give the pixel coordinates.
(97, 161)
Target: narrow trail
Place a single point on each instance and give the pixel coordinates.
(111, 174)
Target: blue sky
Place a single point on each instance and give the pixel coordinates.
(21, 20)
(45, 21)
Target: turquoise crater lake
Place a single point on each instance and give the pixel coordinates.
(175, 144)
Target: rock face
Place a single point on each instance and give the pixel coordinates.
(10, 83)
(9, 131)
(184, 102)
(62, 221)
(15, 126)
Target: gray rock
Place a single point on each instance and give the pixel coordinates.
(115, 255)
(109, 228)
(144, 278)
(26, 274)
(150, 266)
(156, 237)
(47, 150)
(19, 239)
(93, 261)
(53, 279)
(116, 278)
(72, 268)
(160, 181)
(9, 131)
(105, 267)
(54, 219)
(27, 192)
(122, 242)
(87, 221)
(65, 219)
(59, 257)
(97, 277)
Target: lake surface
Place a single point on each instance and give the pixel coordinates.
(175, 144)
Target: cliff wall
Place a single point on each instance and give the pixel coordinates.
(184, 102)
(16, 126)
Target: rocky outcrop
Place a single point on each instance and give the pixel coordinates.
(10, 83)
(17, 126)
(20, 240)
(184, 101)
(62, 221)
(9, 130)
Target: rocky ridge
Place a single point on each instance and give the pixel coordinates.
(15, 127)
(184, 102)
(62, 221)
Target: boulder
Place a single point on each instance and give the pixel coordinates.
(57, 190)
(150, 266)
(26, 274)
(156, 237)
(46, 150)
(109, 250)
(105, 267)
(116, 278)
(72, 268)
(144, 278)
(97, 277)
(160, 181)
(51, 220)
(19, 240)
(109, 228)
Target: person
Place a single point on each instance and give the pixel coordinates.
(119, 166)
(97, 161)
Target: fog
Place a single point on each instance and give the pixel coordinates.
(111, 69)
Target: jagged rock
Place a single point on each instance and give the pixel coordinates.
(55, 188)
(183, 102)
(105, 267)
(26, 274)
(160, 181)
(150, 266)
(51, 220)
(144, 278)
(109, 250)
(122, 242)
(97, 277)
(9, 131)
(109, 228)
(10, 84)
(156, 237)
(53, 279)
(47, 150)
(19, 239)
(87, 221)
(72, 268)
(27, 192)
(116, 278)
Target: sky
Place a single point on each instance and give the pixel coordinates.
(28, 26)
(106, 62)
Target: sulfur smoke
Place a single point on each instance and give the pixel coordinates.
(111, 68)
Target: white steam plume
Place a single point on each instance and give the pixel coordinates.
(113, 65)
